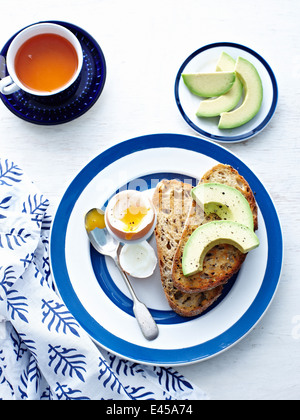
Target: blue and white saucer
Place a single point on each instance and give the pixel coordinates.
(74, 101)
(204, 60)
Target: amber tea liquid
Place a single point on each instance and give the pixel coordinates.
(46, 62)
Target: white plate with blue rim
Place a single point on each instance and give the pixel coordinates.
(93, 290)
(204, 60)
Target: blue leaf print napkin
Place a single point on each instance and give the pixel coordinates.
(44, 353)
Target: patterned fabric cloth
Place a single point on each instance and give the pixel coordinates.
(44, 353)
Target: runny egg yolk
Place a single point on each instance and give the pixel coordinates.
(94, 220)
(130, 216)
(133, 217)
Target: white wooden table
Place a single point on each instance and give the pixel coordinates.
(144, 44)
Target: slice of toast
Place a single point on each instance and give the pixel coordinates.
(223, 260)
(172, 202)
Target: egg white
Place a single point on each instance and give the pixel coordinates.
(138, 260)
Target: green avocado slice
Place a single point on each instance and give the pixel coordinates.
(215, 106)
(227, 202)
(209, 84)
(252, 100)
(205, 237)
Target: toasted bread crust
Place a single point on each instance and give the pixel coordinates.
(172, 201)
(224, 260)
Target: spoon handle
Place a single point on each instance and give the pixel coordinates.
(147, 324)
(142, 314)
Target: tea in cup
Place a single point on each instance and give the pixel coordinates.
(44, 59)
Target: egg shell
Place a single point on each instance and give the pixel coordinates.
(138, 260)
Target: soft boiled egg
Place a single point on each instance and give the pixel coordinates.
(138, 260)
(130, 216)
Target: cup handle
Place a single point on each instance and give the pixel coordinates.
(7, 86)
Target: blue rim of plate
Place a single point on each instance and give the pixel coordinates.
(74, 101)
(152, 356)
(250, 133)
